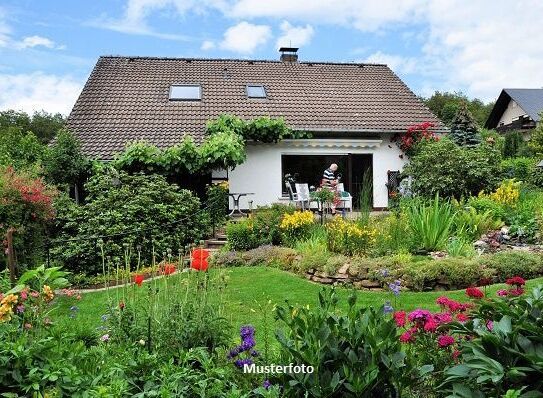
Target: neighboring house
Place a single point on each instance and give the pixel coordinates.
(351, 110)
(516, 109)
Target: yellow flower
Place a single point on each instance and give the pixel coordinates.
(10, 300)
(297, 221)
(507, 193)
(5, 312)
(48, 293)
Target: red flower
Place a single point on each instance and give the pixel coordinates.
(462, 317)
(169, 269)
(475, 293)
(456, 354)
(516, 292)
(502, 293)
(399, 318)
(199, 259)
(442, 300)
(138, 279)
(122, 305)
(445, 340)
(516, 281)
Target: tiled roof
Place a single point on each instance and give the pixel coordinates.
(126, 99)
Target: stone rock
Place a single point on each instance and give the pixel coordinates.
(369, 283)
(326, 281)
(308, 276)
(321, 274)
(480, 244)
(343, 269)
(341, 276)
(505, 230)
(506, 237)
(311, 271)
(438, 255)
(353, 270)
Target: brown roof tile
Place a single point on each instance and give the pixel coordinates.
(126, 99)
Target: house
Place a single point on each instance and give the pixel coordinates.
(516, 109)
(351, 110)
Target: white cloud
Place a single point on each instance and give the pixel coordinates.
(367, 15)
(37, 41)
(38, 91)
(294, 36)
(245, 37)
(399, 64)
(207, 45)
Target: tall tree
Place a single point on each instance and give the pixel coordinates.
(445, 104)
(464, 128)
(44, 125)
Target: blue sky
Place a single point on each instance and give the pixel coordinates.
(48, 47)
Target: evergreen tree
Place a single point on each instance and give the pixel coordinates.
(464, 128)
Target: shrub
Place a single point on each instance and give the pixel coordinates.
(513, 144)
(520, 168)
(483, 204)
(457, 273)
(410, 141)
(356, 354)
(452, 171)
(139, 213)
(431, 223)
(297, 225)
(464, 127)
(241, 235)
(349, 238)
(217, 202)
(270, 256)
(226, 259)
(506, 194)
(267, 223)
(510, 263)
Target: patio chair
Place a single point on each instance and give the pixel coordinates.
(345, 198)
(302, 196)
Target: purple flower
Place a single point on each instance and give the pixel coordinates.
(267, 384)
(246, 331)
(20, 309)
(105, 338)
(387, 308)
(384, 272)
(395, 287)
(254, 353)
(241, 362)
(248, 343)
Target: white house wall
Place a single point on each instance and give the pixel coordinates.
(261, 173)
(511, 113)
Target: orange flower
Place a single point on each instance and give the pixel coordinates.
(169, 269)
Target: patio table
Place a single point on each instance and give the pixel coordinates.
(235, 197)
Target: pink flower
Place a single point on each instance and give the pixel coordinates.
(442, 300)
(28, 326)
(502, 292)
(399, 318)
(105, 338)
(489, 325)
(34, 294)
(24, 295)
(407, 337)
(445, 340)
(456, 354)
(443, 317)
(419, 315)
(430, 326)
(475, 293)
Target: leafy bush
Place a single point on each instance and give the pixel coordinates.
(392, 234)
(514, 262)
(140, 213)
(502, 349)
(217, 202)
(354, 355)
(431, 223)
(241, 235)
(452, 171)
(26, 207)
(483, 204)
(20, 149)
(513, 144)
(349, 238)
(520, 168)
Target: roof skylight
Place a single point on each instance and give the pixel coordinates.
(185, 92)
(256, 91)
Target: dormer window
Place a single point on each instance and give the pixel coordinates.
(256, 91)
(185, 92)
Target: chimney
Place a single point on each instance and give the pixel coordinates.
(289, 54)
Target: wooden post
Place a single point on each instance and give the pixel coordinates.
(11, 256)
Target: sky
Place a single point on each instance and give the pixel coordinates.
(49, 47)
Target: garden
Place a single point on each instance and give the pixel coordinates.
(108, 290)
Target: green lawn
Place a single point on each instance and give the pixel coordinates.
(249, 287)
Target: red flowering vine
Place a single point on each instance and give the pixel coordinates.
(415, 134)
